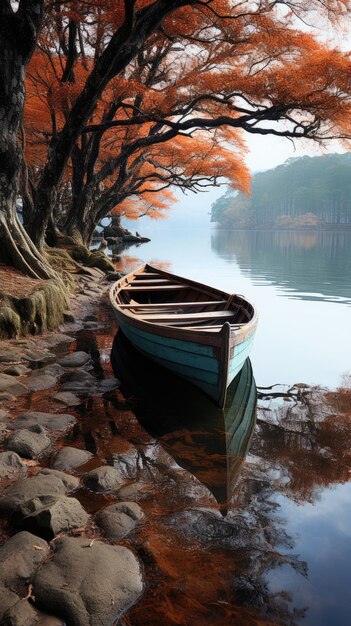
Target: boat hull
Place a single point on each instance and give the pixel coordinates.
(196, 363)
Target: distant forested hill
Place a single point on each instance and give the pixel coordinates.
(303, 192)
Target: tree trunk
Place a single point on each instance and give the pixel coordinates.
(16, 247)
(124, 45)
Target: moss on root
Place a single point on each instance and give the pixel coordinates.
(10, 322)
(99, 259)
(36, 313)
(80, 254)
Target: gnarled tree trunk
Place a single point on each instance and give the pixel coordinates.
(18, 33)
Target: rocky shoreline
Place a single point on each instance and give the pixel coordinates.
(59, 561)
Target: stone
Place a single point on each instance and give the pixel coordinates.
(68, 398)
(9, 385)
(57, 338)
(38, 356)
(105, 478)
(17, 370)
(68, 457)
(29, 442)
(54, 369)
(74, 359)
(8, 599)
(11, 357)
(51, 421)
(82, 387)
(2, 414)
(40, 382)
(68, 317)
(50, 515)
(20, 614)
(20, 557)
(11, 465)
(118, 520)
(94, 272)
(78, 376)
(6, 397)
(47, 482)
(108, 384)
(88, 583)
(113, 276)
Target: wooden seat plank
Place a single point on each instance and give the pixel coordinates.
(170, 305)
(178, 317)
(153, 287)
(154, 281)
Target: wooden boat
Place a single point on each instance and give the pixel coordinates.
(201, 333)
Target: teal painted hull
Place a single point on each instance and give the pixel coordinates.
(196, 363)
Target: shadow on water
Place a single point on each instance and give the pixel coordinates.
(208, 442)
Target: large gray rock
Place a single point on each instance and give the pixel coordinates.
(9, 384)
(11, 465)
(88, 584)
(50, 515)
(74, 359)
(104, 478)
(117, 520)
(20, 557)
(51, 421)
(68, 457)
(29, 442)
(47, 482)
(40, 382)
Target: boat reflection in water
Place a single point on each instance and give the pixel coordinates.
(204, 440)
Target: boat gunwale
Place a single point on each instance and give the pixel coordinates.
(196, 334)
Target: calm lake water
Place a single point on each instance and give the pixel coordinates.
(279, 550)
(300, 281)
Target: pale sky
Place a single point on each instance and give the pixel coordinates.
(267, 151)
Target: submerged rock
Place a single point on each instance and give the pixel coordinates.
(119, 519)
(104, 478)
(68, 457)
(29, 442)
(88, 583)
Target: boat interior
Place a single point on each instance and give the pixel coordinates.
(167, 300)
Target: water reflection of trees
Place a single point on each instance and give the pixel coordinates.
(305, 442)
(302, 261)
(210, 569)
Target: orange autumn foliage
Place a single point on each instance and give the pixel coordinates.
(175, 115)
